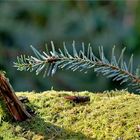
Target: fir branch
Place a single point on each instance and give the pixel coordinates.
(117, 69)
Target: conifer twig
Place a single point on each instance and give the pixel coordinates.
(117, 69)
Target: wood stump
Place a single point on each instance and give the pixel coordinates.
(14, 105)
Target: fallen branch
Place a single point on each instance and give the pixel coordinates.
(78, 99)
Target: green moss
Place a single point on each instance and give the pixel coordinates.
(109, 115)
(4, 115)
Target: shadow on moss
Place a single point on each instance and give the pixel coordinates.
(4, 113)
(37, 128)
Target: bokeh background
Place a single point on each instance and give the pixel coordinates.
(106, 23)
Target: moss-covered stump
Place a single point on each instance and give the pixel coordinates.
(110, 115)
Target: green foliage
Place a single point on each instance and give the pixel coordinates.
(4, 115)
(109, 115)
(117, 69)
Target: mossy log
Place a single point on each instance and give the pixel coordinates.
(14, 105)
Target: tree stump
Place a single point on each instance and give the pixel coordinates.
(14, 105)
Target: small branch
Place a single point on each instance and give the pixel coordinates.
(83, 61)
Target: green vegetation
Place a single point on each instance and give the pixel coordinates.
(109, 115)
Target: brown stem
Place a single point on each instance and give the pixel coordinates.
(14, 106)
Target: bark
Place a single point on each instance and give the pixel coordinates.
(14, 105)
(78, 99)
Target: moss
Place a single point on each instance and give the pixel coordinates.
(4, 115)
(109, 115)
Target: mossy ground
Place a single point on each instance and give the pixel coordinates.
(111, 115)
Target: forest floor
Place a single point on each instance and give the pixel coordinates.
(113, 115)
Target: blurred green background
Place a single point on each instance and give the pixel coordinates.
(106, 23)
